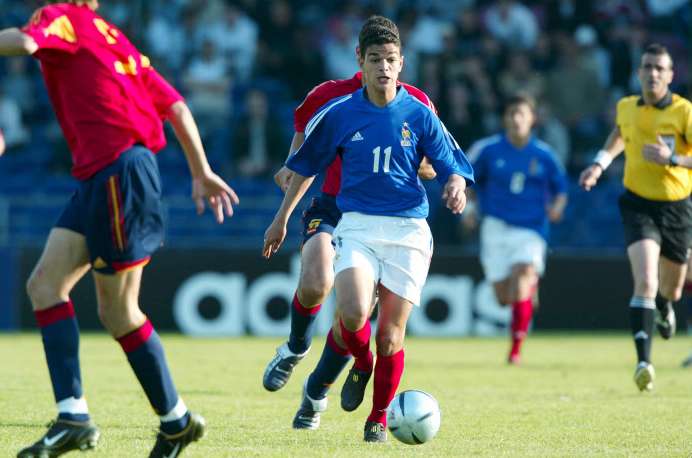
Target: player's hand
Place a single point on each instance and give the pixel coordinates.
(555, 214)
(589, 177)
(219, 196)
(282, 178)
(426, 170)
(658, 153)
(453, 193)
(273, 238)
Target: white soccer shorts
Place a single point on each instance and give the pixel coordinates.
(504, 245)
(395, 250)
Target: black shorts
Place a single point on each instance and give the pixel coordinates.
(321, 216)
(119, 212)
(668, 223)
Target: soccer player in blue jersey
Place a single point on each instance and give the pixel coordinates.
(383, 243)
(521, 187)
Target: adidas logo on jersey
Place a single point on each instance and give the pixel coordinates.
(357, 137)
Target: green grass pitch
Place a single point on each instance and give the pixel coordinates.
(572, 397)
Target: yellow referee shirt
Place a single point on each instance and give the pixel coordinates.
(640, 124)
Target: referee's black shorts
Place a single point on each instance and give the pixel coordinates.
(668, 223)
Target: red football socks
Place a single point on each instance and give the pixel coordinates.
(388, 372)
(358, 344)
(522, 311)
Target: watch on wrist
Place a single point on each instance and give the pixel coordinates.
(673, 161)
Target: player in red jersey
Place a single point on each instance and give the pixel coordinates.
(110, 104)
(317, 273)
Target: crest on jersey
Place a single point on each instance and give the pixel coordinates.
(535, 167)
(405, 135)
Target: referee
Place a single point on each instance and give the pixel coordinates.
(655, 131)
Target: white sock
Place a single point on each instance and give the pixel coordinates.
(176, 413)
(73, 405)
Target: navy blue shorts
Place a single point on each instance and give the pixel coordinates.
(321, 216)
(119, 211)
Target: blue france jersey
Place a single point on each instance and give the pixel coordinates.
(516, 185)
(381, 149)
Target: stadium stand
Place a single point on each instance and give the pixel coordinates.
(466, 54)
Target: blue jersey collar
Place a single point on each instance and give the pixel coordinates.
(401, 93)
(509, 144)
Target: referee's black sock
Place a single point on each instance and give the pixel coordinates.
(663, 305)
(642, 325)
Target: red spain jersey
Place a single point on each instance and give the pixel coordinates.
(105, 94)
(322, 94)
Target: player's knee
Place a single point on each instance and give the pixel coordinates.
(41, 293)
(389, 341)
(118, 319)
(353, 317)
(316, 279)
(314, 291)
(646, 286)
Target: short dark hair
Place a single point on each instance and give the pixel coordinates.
(519, 99)
(377, 30)
(658, 49)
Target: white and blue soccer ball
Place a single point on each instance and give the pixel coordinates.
(413, 417)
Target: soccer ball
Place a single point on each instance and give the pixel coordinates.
(413, 417)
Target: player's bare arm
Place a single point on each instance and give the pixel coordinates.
(14, 42)
(276, 232)
(453, 193)
(557, 208)
(614, 145)
(282, 178)
(2, 144)
(205, 183)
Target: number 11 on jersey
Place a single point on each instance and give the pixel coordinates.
(376, 159)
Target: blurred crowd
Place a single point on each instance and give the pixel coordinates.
(243, 66)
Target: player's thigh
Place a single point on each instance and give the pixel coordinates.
(494, 248)
(406, 258)
(118, 300)
(355, 288)
(502, 290)
(644, 259)
(317, 269)
(391, 322)
(64, 261)
(125, 223)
